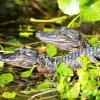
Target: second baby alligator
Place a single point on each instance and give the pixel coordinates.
(26, 58)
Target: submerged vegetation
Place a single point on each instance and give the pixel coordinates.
(20, 20)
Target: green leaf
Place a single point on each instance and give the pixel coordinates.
(9, 95)
(51, 50)
(27, 73)
(74, 91)
(83, 77)
(25, 34)
(63, 70)
(94, 73)
(5, 79)
(92, 83)
(90, 89)
(90, 10)
(9, 49)
(94, 41)
(60, 87)
(90, 97)
(84, 60)
(86, 93)
(44, 86)
(65, 90)
(97, 97)
(14, 42)
(69, 7)
(95, 91)
(19, 2)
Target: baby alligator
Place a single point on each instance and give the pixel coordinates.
(26, 58)
(63, 38)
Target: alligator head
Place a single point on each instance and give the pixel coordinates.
(66, 39)
(23, 57)
(26, 58)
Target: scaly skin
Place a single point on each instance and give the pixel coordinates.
(71, 59)
(66, 39)
(26, 58)
(93, 53)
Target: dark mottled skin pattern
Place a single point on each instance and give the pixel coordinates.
(26, 58)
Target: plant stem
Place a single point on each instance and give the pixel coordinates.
(39, 94)
(56, 20)
(69, 25)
